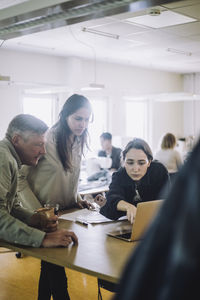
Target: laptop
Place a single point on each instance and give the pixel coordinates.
(144, 215)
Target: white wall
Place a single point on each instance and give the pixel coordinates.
(128, 81)
(27, 70)
(9, 106)
(191, 118)
(167, 117)
(120, 81)
(27, 67)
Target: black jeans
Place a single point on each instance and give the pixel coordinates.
(53, 281)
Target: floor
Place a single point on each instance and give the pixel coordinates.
(19, 280)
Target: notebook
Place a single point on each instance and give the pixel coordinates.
(144, 215)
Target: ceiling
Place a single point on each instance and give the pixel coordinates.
(121, 36)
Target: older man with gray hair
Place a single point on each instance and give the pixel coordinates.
(24, 145)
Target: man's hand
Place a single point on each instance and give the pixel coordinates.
(47, 222)
(51, 224)
(61, 237)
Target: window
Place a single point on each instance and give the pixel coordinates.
(136, 119)
(99, 123)
(42, 107)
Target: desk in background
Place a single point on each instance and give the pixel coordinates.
(93, 187)
(96, 254)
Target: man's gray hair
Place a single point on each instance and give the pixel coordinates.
(24, 125)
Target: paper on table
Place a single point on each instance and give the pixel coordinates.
(87, 216)
(93, 217)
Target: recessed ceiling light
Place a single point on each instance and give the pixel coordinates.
(164, 19)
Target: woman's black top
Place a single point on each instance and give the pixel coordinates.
(124, 188)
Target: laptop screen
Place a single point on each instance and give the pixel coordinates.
(144, 215)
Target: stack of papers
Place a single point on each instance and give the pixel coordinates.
(86, 216)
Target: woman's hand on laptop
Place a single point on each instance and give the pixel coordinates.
(131, 212)
(129, 208)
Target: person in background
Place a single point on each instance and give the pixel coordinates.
(166, 263)
(169, 156)
(55, 179)
(140, 179)
(108, 150)
(24, 145)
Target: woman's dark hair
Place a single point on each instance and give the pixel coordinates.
(72, 104)
(140, 144)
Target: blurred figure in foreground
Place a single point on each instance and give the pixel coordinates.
(166, 263)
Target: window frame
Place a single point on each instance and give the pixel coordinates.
(54, 105)
(146, 132)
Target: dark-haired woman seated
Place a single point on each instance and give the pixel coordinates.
(141, 179)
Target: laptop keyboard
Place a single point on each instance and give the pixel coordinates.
(124, 235)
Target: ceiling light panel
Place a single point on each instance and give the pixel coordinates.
(166, 18)
(121, 28)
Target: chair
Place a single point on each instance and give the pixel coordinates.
(110, 286)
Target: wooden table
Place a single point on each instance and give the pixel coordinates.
(96, 253)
